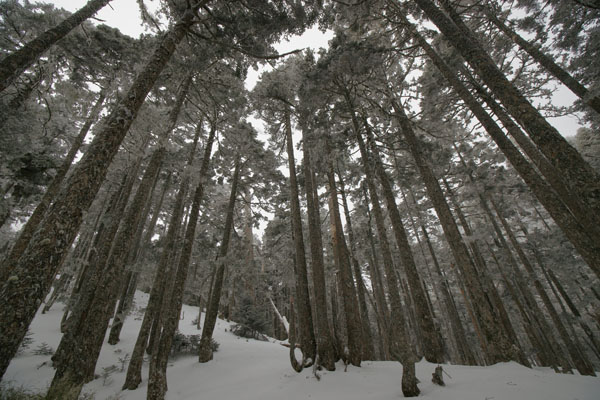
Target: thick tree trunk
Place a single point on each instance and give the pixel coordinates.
(15, 63)
(348, 289)
(581, 177)
(21, 295)
(38, 214)
(305, 322)
(325, 344)
(578, 236)
(433, 347)
(205, 352)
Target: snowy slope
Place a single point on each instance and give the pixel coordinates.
(248, 369)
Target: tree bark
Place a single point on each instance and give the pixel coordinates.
(157, 383)
(18, 61)
(498, 345)
(325, 344)
(205, 352)
(305, 322)
(39, 212)
(433, 348)
(21, 295)
(579, 175)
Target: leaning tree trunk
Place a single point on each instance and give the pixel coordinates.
(18, 61)
(498, 346)
(397, 334)
(340, 250)
(305, 322)
(581, 177)
(361, 290)
(151, 320)
(39, 212)
(589, 249)
(205, 352)
(325, 344)
(21, 295)
(547, 62)
(433, 347)
(157, 382)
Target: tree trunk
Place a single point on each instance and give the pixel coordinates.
(498, 345)
(21, 295)
(205, 352)
(325, 345)
(305, 323)
(368, 346)
(433, 348)
(39, 212)
(18, 61)
(581, 177)
(397, 333)
(348, 289)
(579, 359)
(589, 250)
(157, 383)
(547, 62)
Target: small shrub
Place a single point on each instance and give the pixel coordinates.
(43, 350)
(123, 360)
(188, 344)
(106, 373)
(244, 331)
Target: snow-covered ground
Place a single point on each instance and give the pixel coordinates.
(248, 369)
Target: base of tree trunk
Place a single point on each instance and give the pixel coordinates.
(205, 353)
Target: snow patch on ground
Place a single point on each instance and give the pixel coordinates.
(253, 370)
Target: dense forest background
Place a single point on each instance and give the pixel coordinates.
(403, 197)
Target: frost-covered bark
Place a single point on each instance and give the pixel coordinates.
(498, 346)
(39, 212)
(433, 347)
(205, 349)
(15, 63)
(325, 344)
(579, 175)
(157, 382)
(30, 281)
(348, 289)
(305, 320)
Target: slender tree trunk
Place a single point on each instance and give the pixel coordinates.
(499, 347)
(547, 62)
(368, 352)
(578, 173)
(305, 323)
(39, 212)
(21, 295)
(18, 61)
(399, 347)
(205, 348)
(157, 383)
(347, 287)
(579, 359)
(433, 348)
(325, 345)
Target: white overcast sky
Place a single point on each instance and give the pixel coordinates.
(124, 15)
